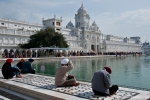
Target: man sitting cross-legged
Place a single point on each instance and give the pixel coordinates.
(101, 84)
(62, 78)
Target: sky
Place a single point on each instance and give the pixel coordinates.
(122, 18)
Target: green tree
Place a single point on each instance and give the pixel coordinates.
(45, 38)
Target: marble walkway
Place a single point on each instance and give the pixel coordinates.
(43, 88)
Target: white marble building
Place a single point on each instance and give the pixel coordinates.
(13, 32)
(119, 44)
(81, 37)
(88, 38)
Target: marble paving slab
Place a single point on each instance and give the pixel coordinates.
(82, 91)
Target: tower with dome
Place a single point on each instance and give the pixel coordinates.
(88, 38)
(82, 18)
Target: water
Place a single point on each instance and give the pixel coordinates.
(127, 71)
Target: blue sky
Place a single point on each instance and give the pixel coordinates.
(123, 18)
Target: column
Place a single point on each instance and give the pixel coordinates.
(4, 31)
(47, 53)
(14, 50)
(36, 53)
(2, 40)
(25, 53)
(20, 53)
(66, 52)
(8, 41)
(2, 52)
(30, 53)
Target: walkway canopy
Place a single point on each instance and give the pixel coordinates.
(49, 48)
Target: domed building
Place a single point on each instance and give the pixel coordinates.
(81, 37)
(82, 18)
(69, 25)
(94, 27)
(88, 38)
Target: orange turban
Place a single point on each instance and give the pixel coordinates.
(22, 60)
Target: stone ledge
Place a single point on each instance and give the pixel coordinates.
(43, 88)
(28, 91)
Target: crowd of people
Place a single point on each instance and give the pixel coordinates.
(61, 54)
(101, 82)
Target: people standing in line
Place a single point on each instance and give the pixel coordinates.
(27, 68)
(20, 64)
(101, 83)
(61, 77)
(8, 71)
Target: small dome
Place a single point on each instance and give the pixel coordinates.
(70, 24)
(82, 9)
(94, 24)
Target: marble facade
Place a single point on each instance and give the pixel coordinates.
(81, 37)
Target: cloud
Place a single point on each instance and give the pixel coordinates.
(125, 24)
(31, 10)
(140, 17)
(107, 13)
(42, 3)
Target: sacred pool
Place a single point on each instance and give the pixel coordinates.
(126, 71)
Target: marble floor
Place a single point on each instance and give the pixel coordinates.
(43, 87)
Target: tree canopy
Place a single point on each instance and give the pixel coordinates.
(45, 38)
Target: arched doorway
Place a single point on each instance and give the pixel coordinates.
(11, 53)
(38, 53)
(17, 53)
(6, 54)
(29, 53)
(34, 54)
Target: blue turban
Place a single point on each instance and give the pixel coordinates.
(31, 60)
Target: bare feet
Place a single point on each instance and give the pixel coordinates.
(76, 84)
(114, 93)
(18, 76)
(70, 77)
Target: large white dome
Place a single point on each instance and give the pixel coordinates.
(82, 9)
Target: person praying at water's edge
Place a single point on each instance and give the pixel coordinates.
(101, 83)
(62, 78)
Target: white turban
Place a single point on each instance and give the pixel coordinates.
(64, 61)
